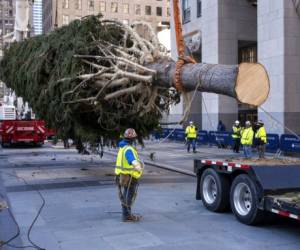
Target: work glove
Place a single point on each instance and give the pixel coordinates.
(138, 165)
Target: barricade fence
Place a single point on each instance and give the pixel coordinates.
(285, 142)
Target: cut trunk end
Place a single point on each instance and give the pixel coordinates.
(252, 84)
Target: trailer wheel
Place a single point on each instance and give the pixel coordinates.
(243, 200)
(214, 191)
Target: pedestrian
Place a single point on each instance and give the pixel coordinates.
(191, 136)
(247, 139)
(221, 126)
(128, 171)
(261, 139)
(236, 136)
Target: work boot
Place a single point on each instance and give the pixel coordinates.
(132, 218)
(194, 151)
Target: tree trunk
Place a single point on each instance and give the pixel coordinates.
(247, 82)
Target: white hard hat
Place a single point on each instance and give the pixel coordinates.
(191, 122)
(248, 123)
(260, 122)
(130, 133)
(237, 122)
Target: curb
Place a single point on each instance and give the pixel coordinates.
(163, 166)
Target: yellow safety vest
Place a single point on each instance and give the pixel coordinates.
(261, 134)
(247, 136)
(122, 165)
(236, 132)
(191, 132)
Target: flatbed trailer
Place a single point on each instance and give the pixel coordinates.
(250, 189)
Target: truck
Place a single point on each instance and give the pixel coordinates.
(30, 132)
(14, 130)
(252, 189)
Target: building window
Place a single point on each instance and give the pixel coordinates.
(186, 11)
(65, 20)
(125, 8)
(91, 4)
(199, 8)
(65, 4)
(114, 7)
(78, 4)
(77, 17)
(168, 12)
(159, 11)
(137, 9)
(102, 6)
(248, 54)
(148, 10)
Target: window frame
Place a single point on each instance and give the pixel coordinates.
(65, 4)
(161, 11)
(186, 11)
(126, 4)
(135, 9)
(91, 7)
(116, 5)
(102, 4)
(149, 7)
(78, 4)
(199, 8)
(64, 18)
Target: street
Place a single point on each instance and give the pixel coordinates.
(82, 209)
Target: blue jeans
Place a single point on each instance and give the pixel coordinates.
(128, 195)
(247, 151)
(189, 142)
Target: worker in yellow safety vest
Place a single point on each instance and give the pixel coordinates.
(236, 136)
(261, 139)
(247, 139)
(191, 136)
(128, 171)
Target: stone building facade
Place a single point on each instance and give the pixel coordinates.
(61, 12)
(7, 21)
(234, 31)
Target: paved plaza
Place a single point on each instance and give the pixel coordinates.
(82, 210)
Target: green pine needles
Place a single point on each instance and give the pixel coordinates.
(88, 80)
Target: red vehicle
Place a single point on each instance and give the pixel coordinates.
(22, 131)
(50, 133)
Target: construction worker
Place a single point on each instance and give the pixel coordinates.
(191, 136)
(236, 136)
(247, 139)
(128, 171)
(261, 139)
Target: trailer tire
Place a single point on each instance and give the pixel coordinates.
(214, 191)
(243, 200)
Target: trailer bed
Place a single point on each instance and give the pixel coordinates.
(277, 181)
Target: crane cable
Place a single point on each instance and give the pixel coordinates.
(182, 59)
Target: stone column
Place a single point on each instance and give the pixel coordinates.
(210, 54)
(224, 23)
(292, 66)
(270, 18)
(279, 51)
